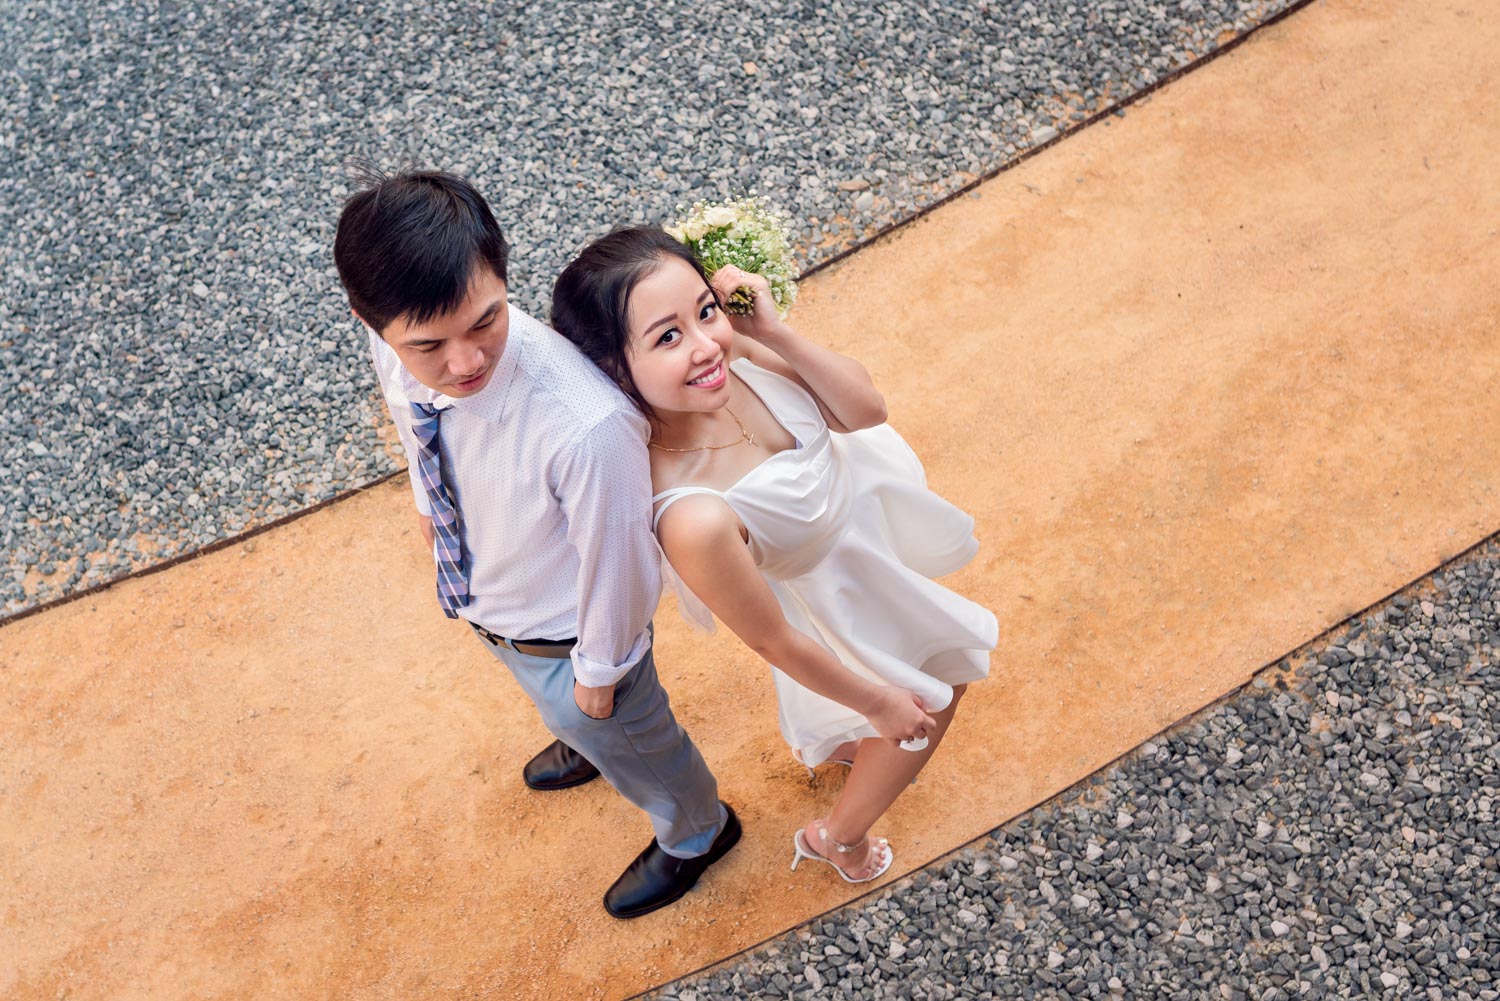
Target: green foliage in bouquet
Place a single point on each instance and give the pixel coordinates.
(749, 234)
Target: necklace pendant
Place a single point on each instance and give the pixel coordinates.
(750, 437)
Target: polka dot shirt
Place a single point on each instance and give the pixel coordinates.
(548, 468)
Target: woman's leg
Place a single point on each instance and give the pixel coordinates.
(881, 772)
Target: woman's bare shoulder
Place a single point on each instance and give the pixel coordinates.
(698, 523)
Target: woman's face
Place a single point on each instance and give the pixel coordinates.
(679, 341)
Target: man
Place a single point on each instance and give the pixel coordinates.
(531, 481)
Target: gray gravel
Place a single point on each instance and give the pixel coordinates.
(1329, 832)
(172, 337)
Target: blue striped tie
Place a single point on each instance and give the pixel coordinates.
(448, 550)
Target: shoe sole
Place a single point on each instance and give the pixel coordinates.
(563, 785)
(714, 854)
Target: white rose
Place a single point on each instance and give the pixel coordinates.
(719, 215)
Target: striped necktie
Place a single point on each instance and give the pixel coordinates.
(448, 549)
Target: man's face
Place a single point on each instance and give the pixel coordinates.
(456, 354)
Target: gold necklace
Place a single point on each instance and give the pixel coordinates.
(744, 436)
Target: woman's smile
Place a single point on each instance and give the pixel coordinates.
(713, 378)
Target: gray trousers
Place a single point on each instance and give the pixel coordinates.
(640, 749)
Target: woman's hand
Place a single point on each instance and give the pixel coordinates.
(898, 715)
(763, 321)
(842, 388)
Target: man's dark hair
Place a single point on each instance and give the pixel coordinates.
(408, 242)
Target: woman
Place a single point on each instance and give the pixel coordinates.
(793, 514)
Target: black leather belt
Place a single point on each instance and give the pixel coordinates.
(555, 649)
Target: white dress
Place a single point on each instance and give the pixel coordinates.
(848, 537)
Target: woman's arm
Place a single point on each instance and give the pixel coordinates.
(701, 537)
(842, 387)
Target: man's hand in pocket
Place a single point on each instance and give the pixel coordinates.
(597, 703)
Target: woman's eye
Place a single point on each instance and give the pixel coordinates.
(708, 310)
(669, 336)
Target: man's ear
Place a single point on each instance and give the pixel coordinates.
(365, 323)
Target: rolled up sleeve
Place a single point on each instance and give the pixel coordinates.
(605, 492)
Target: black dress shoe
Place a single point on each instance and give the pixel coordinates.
(558, 767)
(655, 879)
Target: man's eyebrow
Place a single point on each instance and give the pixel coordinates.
(488, 314)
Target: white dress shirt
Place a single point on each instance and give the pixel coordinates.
(547, 465)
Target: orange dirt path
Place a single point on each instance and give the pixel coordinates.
(1211, 378)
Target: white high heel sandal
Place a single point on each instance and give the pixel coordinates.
(877, 854)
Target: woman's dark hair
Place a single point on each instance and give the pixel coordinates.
(408, 243)
(591, 298)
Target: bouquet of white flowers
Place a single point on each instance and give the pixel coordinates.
(749, 234)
